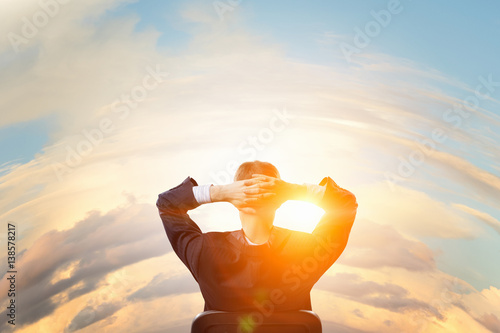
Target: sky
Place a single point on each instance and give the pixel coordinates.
(105, 104)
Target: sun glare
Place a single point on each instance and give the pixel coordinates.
(298, 215)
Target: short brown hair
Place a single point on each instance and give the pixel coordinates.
(246, 169)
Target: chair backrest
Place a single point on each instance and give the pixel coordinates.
(239, 322)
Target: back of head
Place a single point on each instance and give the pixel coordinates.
(247, 169)
(266, 208)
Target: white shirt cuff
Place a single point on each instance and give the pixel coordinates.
(202, 193)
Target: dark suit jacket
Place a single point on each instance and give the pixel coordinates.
(275, 276)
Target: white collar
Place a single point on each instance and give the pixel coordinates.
(250, 242)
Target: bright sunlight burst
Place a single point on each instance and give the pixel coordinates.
(298, 215)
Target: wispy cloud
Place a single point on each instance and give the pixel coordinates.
(387, 296)
(90, 315)
(162, 285)
(486, 218)
(376, 246)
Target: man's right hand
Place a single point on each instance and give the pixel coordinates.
(283, 190)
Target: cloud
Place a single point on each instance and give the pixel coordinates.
(33, 312)
(387, 296)
(75, 261)
(172, 329)
(484, 307)
(483, 185)
(372, 245)
(485, 217)
(412, 212)
(490, 321)
(358, 313)
(329, 326)
(90, 315)
(66, 44)
(162, 285)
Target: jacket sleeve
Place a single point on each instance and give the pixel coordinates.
(332, 231)
(183, 233)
